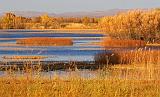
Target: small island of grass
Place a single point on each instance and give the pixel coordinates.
(24, 57)
(109, 42)
(45, 41)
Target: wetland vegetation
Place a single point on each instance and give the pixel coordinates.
(127, 55)
(45, 41)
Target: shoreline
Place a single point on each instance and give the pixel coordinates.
(77, 31)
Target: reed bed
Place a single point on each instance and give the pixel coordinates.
(109, 42)
(115, 81)
(136, 76)
(45, 41)
(78, 88)
(135, 72)
(137, 56)
(75, 86)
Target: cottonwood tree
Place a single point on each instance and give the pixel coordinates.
(85, 20)
(133, 24)
(49, 22)
(8, 21)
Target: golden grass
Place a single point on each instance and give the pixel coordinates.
(109, 42)
(21, 87)
(75, 86)
(140, 56)
(154, 44)
(110, 82)
(135, 71)
(129, 57)
(138, 78)
(24, 57)
(8, 44)
(45, 41)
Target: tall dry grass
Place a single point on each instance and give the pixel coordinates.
(23, 87)
(45, 41)
(109, 42)
(138, 80)
(112, 85)
(138, 56)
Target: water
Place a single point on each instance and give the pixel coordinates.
(82, 50)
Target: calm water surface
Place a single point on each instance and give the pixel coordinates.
(80, 51)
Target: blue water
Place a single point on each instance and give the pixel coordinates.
(22, 35)
(80, 51)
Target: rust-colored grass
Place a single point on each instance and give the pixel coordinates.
(45, 41)
(109, 42)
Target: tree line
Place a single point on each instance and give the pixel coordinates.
(11, 21)
(134, 24)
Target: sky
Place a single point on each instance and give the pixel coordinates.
(61, 6)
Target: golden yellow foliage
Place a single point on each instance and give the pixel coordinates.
(135, 24)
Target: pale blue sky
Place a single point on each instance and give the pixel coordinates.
(59, 6)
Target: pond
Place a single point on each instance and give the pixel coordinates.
(84, 49)
(81, 50)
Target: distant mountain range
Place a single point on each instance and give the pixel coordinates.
(71, 14)
(92, 14)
